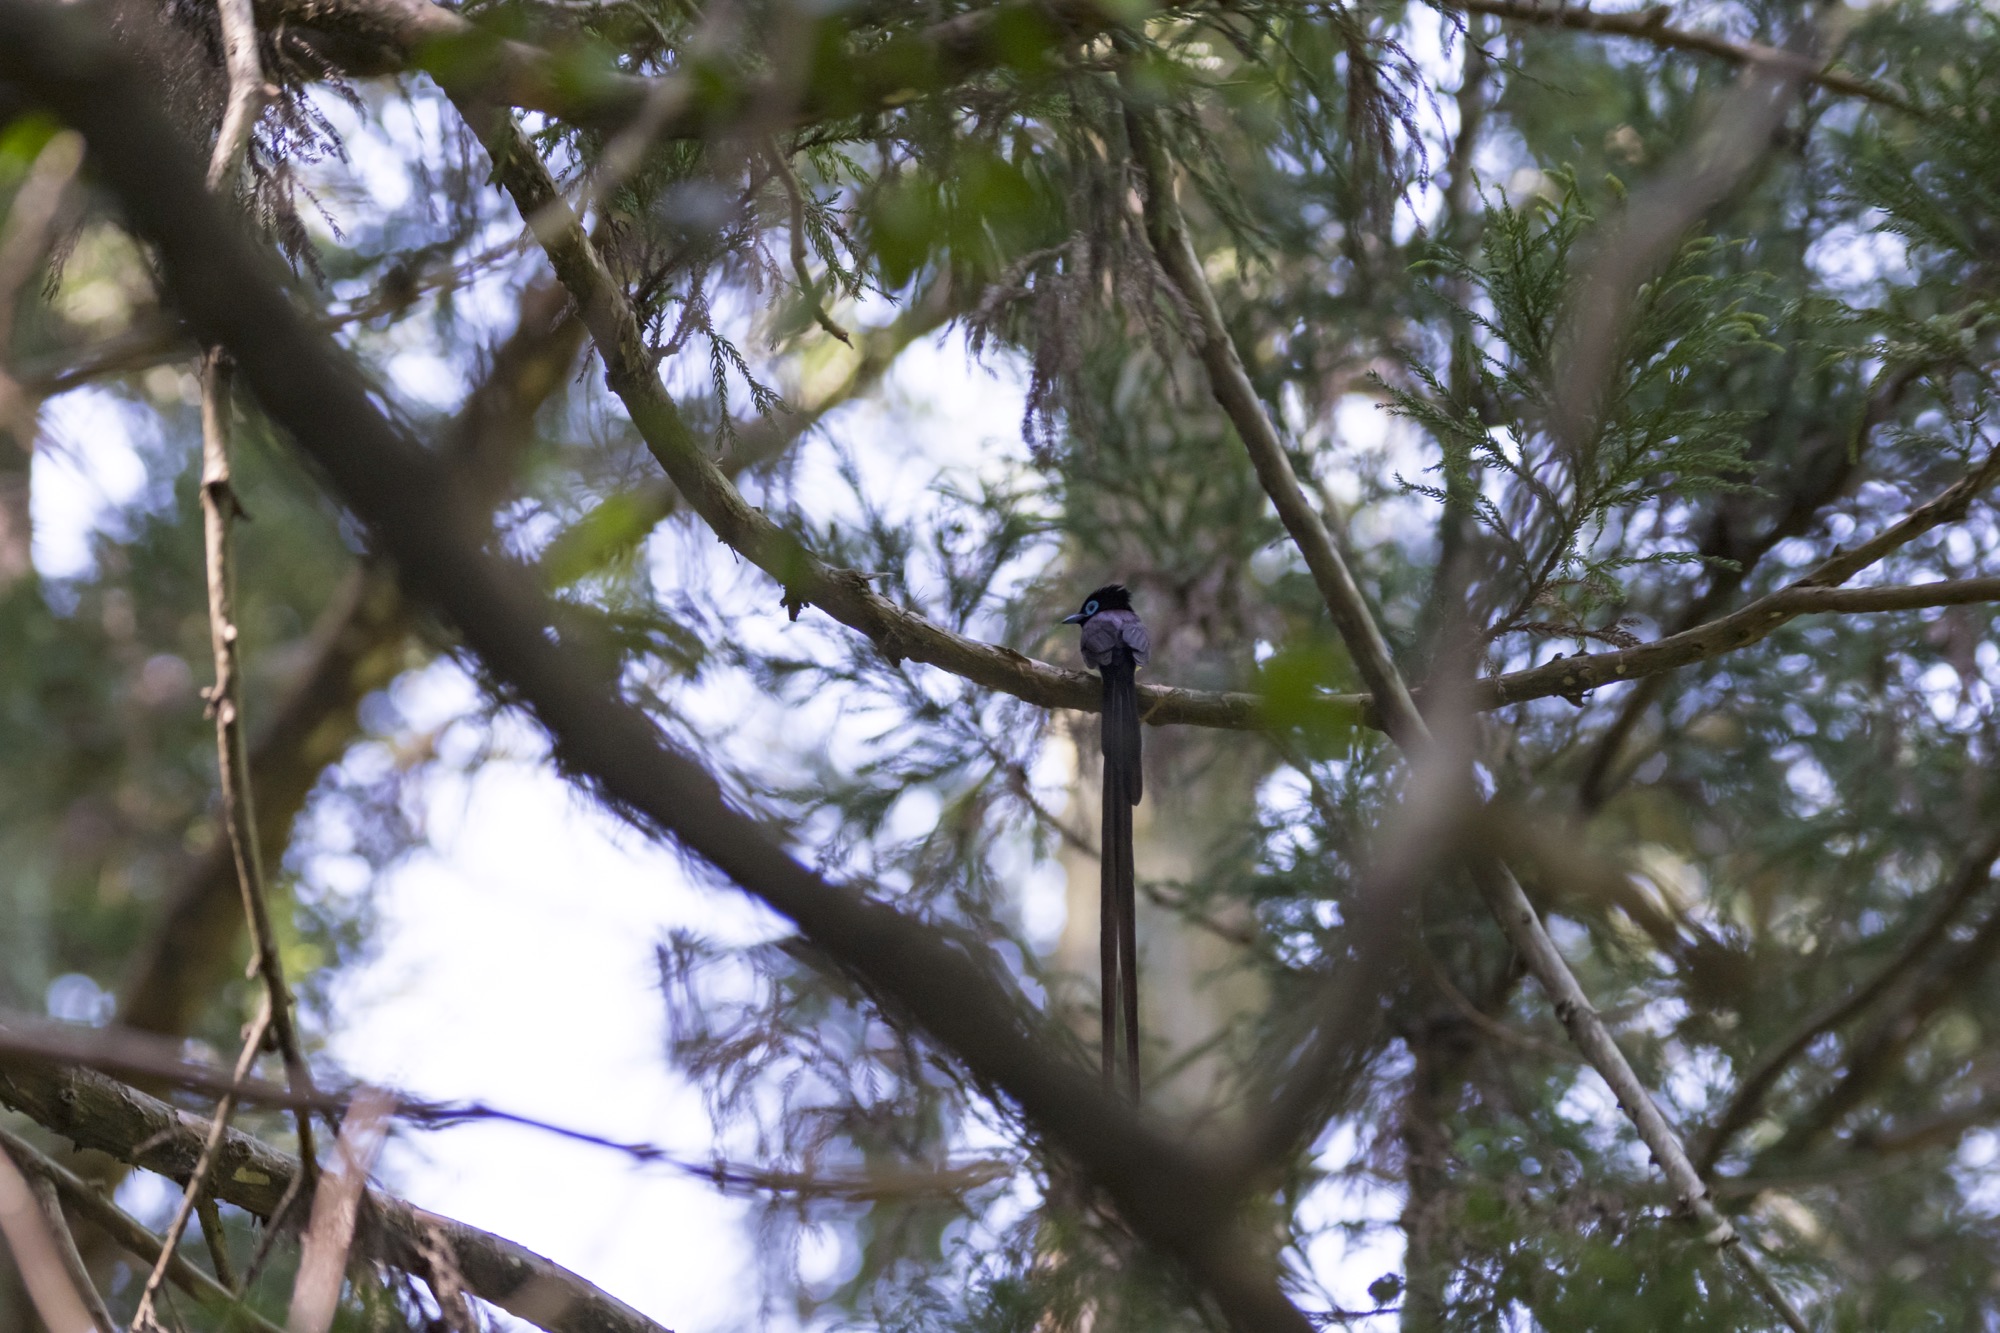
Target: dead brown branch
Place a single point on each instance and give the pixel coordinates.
(219, 508)
(336, 1210)
(38, 1255)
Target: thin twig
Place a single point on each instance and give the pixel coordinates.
(219, 507)
(1650, 25)
(129, 1233)
(1505, 898)
(1973, 873)
(795, 193)
(197, 1181)
(210, 1216)
(37, 1255)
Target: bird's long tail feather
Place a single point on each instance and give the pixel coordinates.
(1118, 945)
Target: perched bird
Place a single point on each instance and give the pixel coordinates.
(1116, 643)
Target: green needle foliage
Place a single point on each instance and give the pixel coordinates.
(1764, 866)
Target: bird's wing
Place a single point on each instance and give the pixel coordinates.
(1132, 632)
(1101, 639)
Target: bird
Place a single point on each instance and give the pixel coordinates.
(1115, 642)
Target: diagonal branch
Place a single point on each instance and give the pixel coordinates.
(1974, 873)
(93, 1111)
(1172, 1197)
(126, 1230)
(1650, 25)
(1167, 231)
(197, 1181)
(38, 1255)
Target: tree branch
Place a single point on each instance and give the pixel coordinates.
(225, 701)
(1171, 1197)
(126, 1230)
(1518, 920)
(1974, 872)
(246, 91)
(93, 1111)
(1650, 25)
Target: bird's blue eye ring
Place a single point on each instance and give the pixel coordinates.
(1090, 607)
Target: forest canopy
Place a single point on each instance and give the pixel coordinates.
(1550, 450)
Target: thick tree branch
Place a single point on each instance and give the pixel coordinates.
(1172, 1198)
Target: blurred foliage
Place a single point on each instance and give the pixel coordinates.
(1815, 360)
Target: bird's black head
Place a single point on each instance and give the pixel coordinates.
(1111, 597)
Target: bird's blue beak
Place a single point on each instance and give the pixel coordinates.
(1076, 619)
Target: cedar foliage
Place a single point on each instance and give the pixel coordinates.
(1758, 838)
